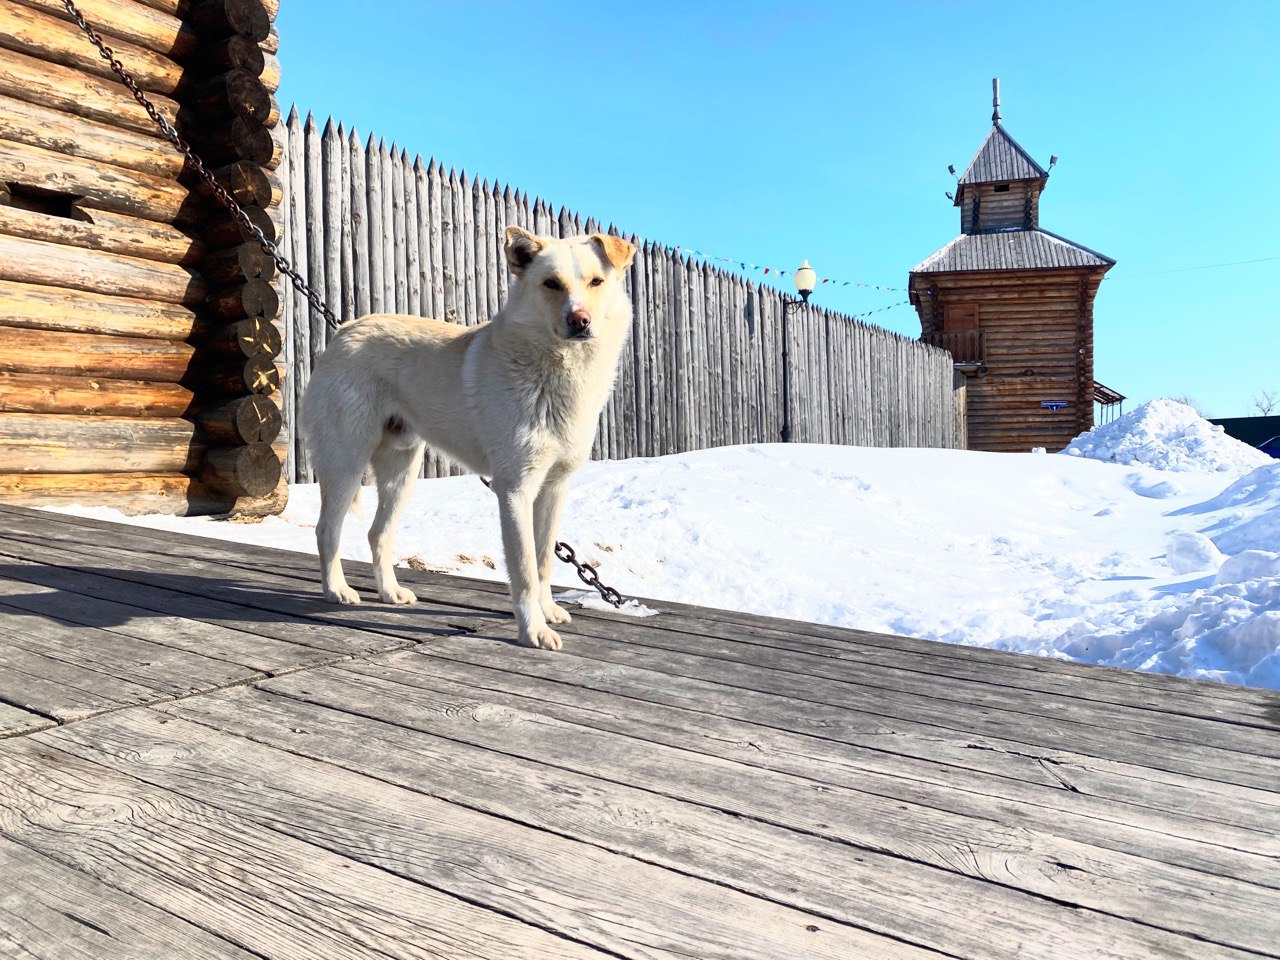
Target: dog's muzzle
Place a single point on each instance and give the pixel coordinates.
(578, 325)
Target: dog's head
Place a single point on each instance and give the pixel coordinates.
(572, 287)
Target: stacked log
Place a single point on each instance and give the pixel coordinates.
(138, 325)
(233, 113)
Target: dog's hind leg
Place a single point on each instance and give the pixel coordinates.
(339, 478)
(336, 498)
(396, 468)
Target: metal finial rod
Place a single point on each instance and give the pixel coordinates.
(995, 100)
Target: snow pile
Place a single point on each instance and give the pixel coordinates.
(1059, 556)
(1229, 632)
(1167, 435)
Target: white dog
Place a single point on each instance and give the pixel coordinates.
(516, 399)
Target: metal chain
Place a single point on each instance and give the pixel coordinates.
(586, 571)
(219, 191)
(564, 552)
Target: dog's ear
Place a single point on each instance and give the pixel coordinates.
(522, 246)
(617, 251)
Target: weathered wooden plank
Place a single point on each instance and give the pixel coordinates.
(465, 200)
(51, 912)
(1194, 759)
(15, 720)
(300, 324)
(412, 222)
(280, 595)
(391, 273)
(397, 239)
(1167, 897)
(251, 884)
(333, 149)
(318, 190)
(72, 91)
(1229, 730)
(163, 670)
(377, 228)
(63, 691)
(902, 898)
(565, 886)
(65, 133)
(32, 590)
(1043, 800)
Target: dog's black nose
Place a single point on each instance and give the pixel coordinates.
(579, 320)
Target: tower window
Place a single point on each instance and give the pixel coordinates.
(1001, 188)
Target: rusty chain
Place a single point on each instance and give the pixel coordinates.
(586, 571)
(564, 552)
(250, 228)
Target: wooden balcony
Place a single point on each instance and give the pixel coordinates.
(968, 347)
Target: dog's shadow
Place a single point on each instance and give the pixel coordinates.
(105, 597)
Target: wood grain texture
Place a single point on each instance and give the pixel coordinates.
(73, 136)
(74, 92)
(251, 884)
(1039, 864)
(93, 271)
(64, 915)
(58, 443)
(703, 783)
(40, 34)
(542, 879)
(900, 898)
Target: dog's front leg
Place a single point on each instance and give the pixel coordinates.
(546, 520)
(515, 509)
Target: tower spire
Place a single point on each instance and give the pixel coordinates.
(995, 99)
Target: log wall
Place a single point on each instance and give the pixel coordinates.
(1037, 330)
(138, 332)
(375, 230)
(987, 207)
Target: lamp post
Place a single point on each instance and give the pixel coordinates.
(805, 280)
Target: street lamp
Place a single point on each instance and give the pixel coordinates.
(806, 279)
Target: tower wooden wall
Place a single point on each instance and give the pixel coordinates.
(1037, 348)
(1013, 303)
(138, 328)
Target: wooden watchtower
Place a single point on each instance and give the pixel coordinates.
(1013, 303)
(138, 326)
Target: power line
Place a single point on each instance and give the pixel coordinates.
(1207, 266)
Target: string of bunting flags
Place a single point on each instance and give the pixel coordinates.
(746, 265)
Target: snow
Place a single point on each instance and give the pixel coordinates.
(1168, 435)
(1153, 552)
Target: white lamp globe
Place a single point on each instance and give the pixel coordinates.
(805, 280)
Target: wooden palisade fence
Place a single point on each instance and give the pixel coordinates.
(374, 231)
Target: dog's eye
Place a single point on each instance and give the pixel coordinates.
(596, 281)
(551, 283)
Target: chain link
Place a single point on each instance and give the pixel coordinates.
(564, 552)
(220, 192)
(586, 572)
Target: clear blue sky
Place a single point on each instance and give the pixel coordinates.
(772, 132)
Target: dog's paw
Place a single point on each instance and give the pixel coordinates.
(343, 594)
(399, 594)
(555, 613)
(543, 637)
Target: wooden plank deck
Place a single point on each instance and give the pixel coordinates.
(203, 759)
